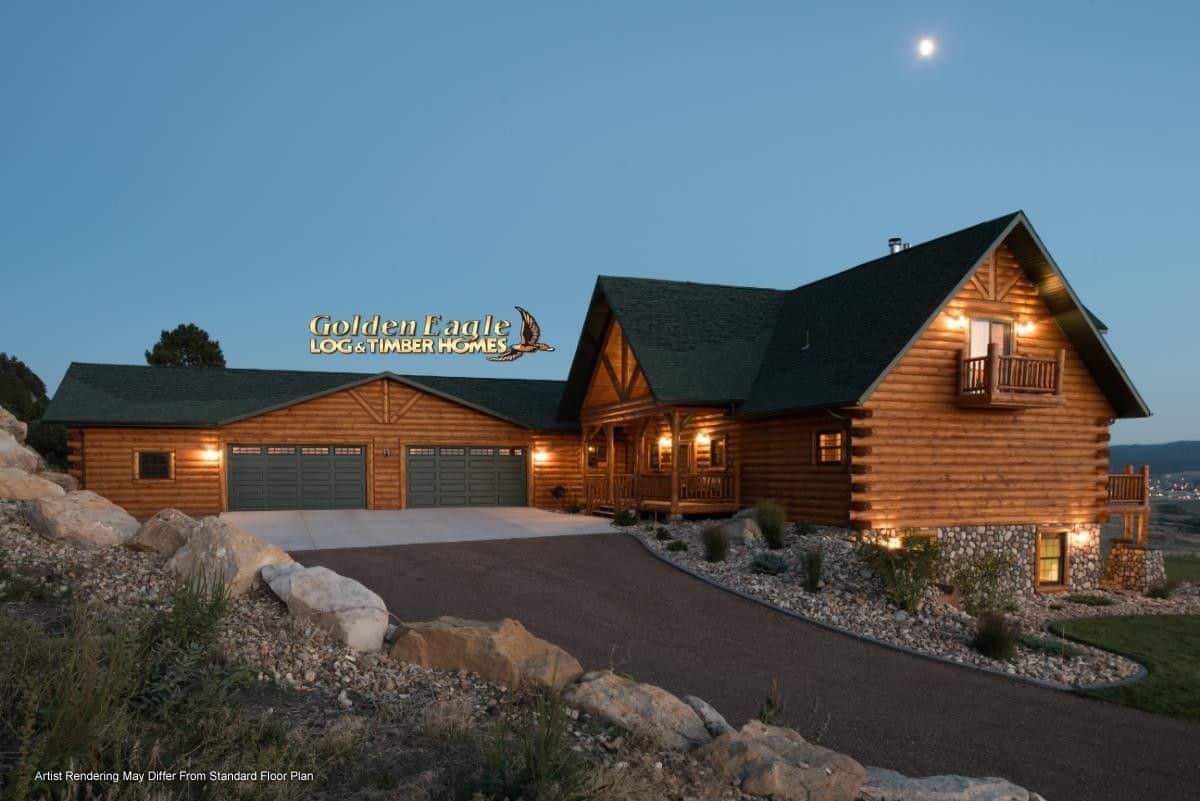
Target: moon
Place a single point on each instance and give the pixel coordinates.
(926, 47)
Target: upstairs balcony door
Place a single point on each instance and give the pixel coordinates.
(984, 332)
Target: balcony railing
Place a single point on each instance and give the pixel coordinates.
(1009, 381)
(1129, 490)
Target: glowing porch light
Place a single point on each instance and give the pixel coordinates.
(1081, 537)
(956, 322)
(210, 455)
(664, 441)
(540, 456)
(1025, 327)
(702, 438)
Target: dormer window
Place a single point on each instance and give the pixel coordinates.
(984, 332)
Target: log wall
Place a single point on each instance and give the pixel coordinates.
(779, 463)
(384, 417)
(928, 462)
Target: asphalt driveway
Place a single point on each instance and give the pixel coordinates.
(612, 604)
(360, 528)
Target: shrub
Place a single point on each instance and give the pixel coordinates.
(663, 534)
(1163, 589)
(22, 588)
(1090, 600)
(625, 517)
(906, 572)
(814, 557)
(676, 545)
(573, 508)
(980, 583)
(770, 517)
(769, 563)
(770, 711)
(530, 756)
(716, 543)
(996, 636)
(1051, 645)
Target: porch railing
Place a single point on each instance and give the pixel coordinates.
(996, 374)
(626, 492)
(706, 487)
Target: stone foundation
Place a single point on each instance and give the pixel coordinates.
(961, 544)
(1134, 567)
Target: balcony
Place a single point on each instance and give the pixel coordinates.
(1129, 492)
(1015, 381)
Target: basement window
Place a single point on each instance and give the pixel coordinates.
(831, 447)
(154, 465)
(1052, 559)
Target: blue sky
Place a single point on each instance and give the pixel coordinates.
(245, 166)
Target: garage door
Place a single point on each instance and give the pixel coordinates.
(265, 477)
(482, 475)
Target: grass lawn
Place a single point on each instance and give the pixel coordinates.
(1168, 645)
(1184, 568)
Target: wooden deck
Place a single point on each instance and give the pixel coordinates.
(1009, 382)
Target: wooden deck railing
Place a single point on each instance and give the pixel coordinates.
(1013, 380)
(1129, 489)
(706, 487)
(626, 492)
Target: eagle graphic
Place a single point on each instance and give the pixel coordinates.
(530, 333)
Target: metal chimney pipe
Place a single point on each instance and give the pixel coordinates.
(894, 244)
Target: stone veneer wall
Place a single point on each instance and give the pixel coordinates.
(1134, 567)
(960, 544)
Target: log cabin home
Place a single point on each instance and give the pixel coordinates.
(957, 388)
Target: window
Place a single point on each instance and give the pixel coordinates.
(154, 465)
(716, 451)
(281, 451)
(347, 451)
(483, 451)
(420, 451)
(984, 332)
(655, 457)
(314, 451)
(1052, 559)
(454, 451)
(597, 454)
(245, 450)
(831, 447)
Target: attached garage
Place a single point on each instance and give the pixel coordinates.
(456, 475)
(267, 477)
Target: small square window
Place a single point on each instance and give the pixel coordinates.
(154, 465)
(831, 447)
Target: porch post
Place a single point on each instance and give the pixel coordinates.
(583, 468)
(612, 465)
(992, 370)
(639, 439)
(674, 462)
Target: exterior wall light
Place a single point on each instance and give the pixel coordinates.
(1026, 327)
(956, 322)
(210, 455)
(1081, 538)
(664, 441)
(893, 543)
(702, 438)
(540, 456)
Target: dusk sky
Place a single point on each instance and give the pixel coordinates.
(245, 166)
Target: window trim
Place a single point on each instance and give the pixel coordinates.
(818, 449)
(137, 463)
(1011, 325)
(1064, 559)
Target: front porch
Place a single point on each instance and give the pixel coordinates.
(672, 460)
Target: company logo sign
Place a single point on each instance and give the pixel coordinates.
(431, 334)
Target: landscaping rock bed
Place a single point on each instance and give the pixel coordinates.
(852, 598)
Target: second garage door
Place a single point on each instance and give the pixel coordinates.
(448, 475)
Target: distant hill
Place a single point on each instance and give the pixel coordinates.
(1169, 457)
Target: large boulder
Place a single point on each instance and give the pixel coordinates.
(339, 605)
(743, 531)
(82, 517)
(165, 533)
(888, 785)
(279, 577)
(642, 709)
(218, 549)
(502, 651)
(65, 480)
(10, 424)
(714, 721)
(778, 762)
(17, 485)
(14, 454)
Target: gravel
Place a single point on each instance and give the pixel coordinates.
(852, 598)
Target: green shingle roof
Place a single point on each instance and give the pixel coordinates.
(824, 344)
(119, 394)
